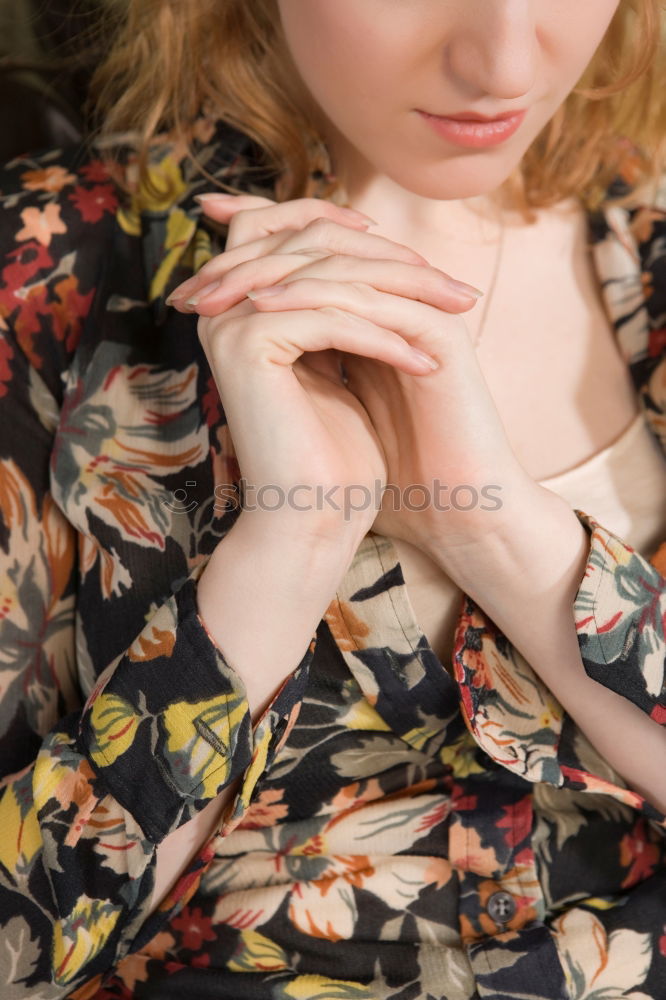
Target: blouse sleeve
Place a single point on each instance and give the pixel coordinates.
(619, 611)
(620, 607)
(88, 790)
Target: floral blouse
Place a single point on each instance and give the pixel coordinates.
(399, 831)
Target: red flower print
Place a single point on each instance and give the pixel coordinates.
(517, 821)
(95, 172)
(193, 928)
(92, 203)
(658, 713)
(201, 961)
(23, 264)
(211, 402)
(656, 342)
(28, 324)
(638, 854)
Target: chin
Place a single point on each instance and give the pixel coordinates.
(448, 181)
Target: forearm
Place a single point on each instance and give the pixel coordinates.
(526, 577)
(263, 593)
(260, 597)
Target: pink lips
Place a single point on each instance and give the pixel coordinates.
(467, 128)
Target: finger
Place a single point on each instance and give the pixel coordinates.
(418, 322)
(321, 236)
(257, 343)
(425, 284)
(262, 217)
(251, 218)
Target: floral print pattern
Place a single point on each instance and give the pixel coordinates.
(398, 831)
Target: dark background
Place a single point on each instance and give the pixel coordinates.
(47, 51)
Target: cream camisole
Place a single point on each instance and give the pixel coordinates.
(623, 486)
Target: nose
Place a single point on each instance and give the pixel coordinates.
(495, 48)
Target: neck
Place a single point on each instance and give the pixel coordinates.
(403, 214)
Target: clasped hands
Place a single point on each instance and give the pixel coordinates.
(435, 425)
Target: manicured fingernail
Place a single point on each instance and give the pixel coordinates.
(214, 196)
(202, 293)
(353, 214)
(181, 290)
(425, 358)
(265, 293)
(465, 289)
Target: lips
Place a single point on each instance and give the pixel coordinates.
(479, 132)
(474, 116)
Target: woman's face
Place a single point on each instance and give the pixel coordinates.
(372, 65)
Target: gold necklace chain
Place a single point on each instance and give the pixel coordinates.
(493, 282)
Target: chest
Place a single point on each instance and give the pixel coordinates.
(549, 354)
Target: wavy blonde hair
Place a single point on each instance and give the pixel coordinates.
(172, 60)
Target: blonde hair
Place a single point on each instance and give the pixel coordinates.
(173, 60)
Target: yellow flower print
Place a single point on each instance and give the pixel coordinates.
(257, 953)
(114, 723)
(21, 837)
(322, 988)
(262, 741)
(163, 187)
(461, 757)
(179, 231)
(80, 936)
(362, 715)
(199, 736)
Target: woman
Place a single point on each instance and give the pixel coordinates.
(392, 726)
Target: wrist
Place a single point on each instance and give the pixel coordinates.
(327, 535)
(536, 536)
(457, 536)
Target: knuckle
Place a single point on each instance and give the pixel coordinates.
(319, 228)
(235, 230)
(334, 311)
(362, 287)
(309, 252)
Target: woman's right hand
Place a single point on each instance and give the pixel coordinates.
(298, 432)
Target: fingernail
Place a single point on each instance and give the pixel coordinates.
(214, 196)
(465, 289)
(425, 358)
(202, 293)
(264, 293)
(352, 213)
(182, 289)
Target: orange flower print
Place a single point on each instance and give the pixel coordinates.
(49, 179)
(347, 628)
(41, 224)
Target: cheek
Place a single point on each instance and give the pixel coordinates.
(574, 44)
(328, 42)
